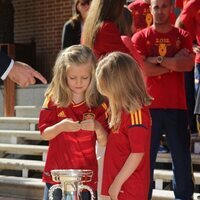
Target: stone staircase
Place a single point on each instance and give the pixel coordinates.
(23, 154)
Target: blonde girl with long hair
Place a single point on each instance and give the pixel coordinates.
(73, 117)
(126, 171)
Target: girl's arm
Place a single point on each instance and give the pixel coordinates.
(129, 167)
(66, 125)
(94, 125)
(101, 134)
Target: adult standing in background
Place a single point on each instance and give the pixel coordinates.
(141, 14)
(72, 28)
(167, 54)
(100, 31)
(19, 72)
(189, 19)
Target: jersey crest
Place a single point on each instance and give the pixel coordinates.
(88, 116)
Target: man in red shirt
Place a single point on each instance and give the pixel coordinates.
(167, 54)
(142, 16)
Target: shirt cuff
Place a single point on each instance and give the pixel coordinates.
(8, 70)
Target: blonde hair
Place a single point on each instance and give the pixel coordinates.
(120, 79)
(100, 11)
(58, 90)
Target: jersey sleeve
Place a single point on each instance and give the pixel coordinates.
(139, 132)
(187, 40)
(47, 115)
(188, 13)
(187, 17)
(139, 43)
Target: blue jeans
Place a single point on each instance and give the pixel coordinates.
(57, 195)
(175, 124)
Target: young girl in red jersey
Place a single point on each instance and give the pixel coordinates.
(126, 170)
(73, 117)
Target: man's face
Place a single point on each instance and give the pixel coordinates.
(161, 10)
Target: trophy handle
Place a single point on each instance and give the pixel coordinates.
(82, 187)
(51, 190)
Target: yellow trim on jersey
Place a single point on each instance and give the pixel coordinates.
(132, 118)
(78, 104)
(136, 117)
(104, 105)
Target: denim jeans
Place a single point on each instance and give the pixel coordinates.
(175, 124)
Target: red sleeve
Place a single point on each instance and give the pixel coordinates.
(139, 138)
(139, 130)
(139, 43)
(187, 40)
(48, 117)
(128, 43)
(187, 17)
(108, 40)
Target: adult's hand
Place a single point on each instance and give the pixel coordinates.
(24, 75)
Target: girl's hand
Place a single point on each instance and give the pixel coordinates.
(88, 125)
(114, 190)
(70, 125)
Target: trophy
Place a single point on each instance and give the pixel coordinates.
(71, 183)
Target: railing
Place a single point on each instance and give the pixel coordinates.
(9, 86)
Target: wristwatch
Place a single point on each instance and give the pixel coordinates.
(159, 60)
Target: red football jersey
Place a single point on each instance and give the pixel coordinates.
(190, 17)
(168, 89)
(72, 150)
(133, 136)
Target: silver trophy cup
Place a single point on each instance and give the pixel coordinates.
(71, 183)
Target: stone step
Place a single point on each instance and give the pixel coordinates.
(18, 123)
(161, 176)
(14, 135)
(168, 195)
(166, 158)
(23, 188)
(22, 165)
(27, 111)
(24, 149)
